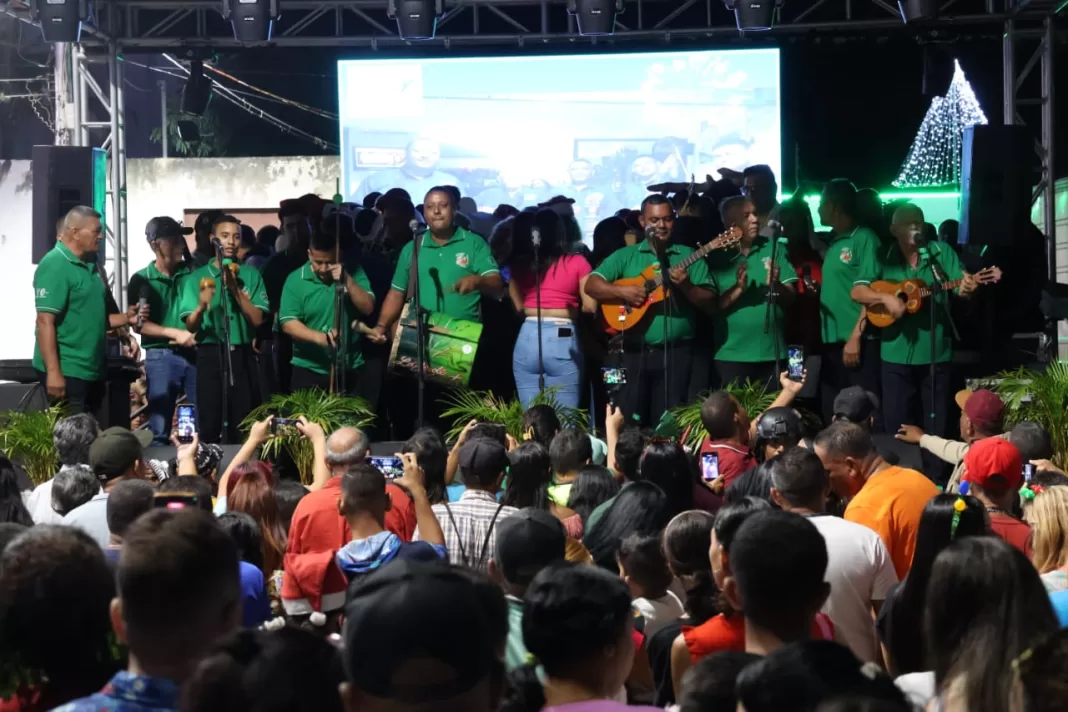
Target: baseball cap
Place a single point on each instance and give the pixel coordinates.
(984, 408)
(422, 610)
(994, 463)
(527, 542)
(855, 404)
(115, 450)
(162, 227)
(483, 459)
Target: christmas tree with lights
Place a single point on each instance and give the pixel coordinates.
(934, 159)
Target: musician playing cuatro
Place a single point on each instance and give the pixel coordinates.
(906, 344)
(743, 350)
(649, 391)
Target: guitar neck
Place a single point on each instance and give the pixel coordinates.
(944, 287)
(686, 262)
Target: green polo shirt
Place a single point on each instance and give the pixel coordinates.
(841, 270)
(241, 332)
(307, 299)
(441, 267)
(630, 261)
(739, 331)
(908, 341)
(72, 289)
(164, 300)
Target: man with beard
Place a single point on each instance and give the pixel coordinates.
(650, 388)
(215, 295)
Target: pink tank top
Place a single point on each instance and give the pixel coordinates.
(559, 284)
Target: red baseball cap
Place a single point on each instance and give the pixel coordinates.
(994, 463)
(984, 408)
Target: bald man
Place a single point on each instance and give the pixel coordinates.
(906, 344)
(346, 447)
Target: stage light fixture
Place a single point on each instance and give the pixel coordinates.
(253, 20)
(595, 17)
(416, 19)
(753, 15)
(61, 20)
(918, 10)
(197, 90)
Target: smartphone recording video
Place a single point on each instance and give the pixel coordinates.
(391, 467)
(795, 363)
(614, 376)
(280, 424)
(710, 466)
(1028, 472)
(187, 423)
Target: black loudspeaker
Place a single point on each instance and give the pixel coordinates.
(62, 179)
(999, 166)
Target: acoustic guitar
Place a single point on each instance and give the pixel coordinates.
(621, 317)
(913, 291)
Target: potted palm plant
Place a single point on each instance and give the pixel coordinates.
(328, 410)
(26, 438)
(1039, 396)
(752, 396)
(464, 406)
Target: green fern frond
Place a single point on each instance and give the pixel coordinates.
(463, 406)
(27, 439)
(751, 395)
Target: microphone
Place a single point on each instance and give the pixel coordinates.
(416, 227)
(771, 229)
(535, 236)
(216, 244)
(650, 231)
(142, 302)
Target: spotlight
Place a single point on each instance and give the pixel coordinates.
(197, 90)
(61, 20)
(595, 17)
(753, 15)
(253, 20)
(918, 10)
(416, 19)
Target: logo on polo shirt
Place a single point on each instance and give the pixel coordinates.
(461, 259)
(846, 255)
(42, 293)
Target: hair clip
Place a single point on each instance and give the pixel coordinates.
(964, 488)
(958, 507)
(274, 624)
(317, 619)
(531, 659)
(1027, 494)
(870, 670)
(1022, 658)
(1037, 489)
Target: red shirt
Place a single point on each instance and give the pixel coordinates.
(721, 633)
(1012, 530)
(734, 459)
(316, 532)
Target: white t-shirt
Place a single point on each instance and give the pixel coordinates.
(92, 518)
(860, 571)
(40, 505)
(658, 612)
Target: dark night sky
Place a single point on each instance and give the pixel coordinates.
(849, 109)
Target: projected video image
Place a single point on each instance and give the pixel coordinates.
(520, 130)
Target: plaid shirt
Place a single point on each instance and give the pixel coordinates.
(473, 518)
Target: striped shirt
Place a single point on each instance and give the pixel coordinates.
(471, 530)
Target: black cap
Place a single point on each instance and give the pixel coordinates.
(115, 450)
(483, 459)
(778, 423)
(527, 542)
(163, 227)
(416, 609)
(855, 404)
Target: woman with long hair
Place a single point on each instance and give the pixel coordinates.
(561, 277)
(432, 456)
(1048, 517)
(640, 508)
(578, 625)
(985, 606)
(250, 490)
(594, 486)
(945, 519)
(529, 475)
(666, 465)
(12, 508)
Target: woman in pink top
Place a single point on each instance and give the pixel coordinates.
(562, 278)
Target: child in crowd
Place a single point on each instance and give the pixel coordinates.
(644, 568)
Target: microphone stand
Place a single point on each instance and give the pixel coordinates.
(337, 380)
(535, 236)
(227, 349)
(771, 312)
(938, 276)
(420, 330)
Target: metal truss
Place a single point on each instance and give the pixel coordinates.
(158, 25)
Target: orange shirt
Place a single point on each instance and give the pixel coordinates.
(890, 504)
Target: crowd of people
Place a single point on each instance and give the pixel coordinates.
(553, 571)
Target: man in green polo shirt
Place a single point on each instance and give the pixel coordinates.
(214, 296)
(307, 312)
(906, 344)
(742, 277)
(850, 347)
(170, 361)
(69, 352)
(650, 389)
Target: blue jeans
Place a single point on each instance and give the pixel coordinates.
(168, 374)
(561, 357)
